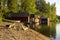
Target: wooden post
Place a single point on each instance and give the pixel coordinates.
(28, 20)
(48, 21)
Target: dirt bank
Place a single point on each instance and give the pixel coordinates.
(12, 34)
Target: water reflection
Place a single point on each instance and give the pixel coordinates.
(45, 29)
(55, 33)
(58, 31)
(49, 31)
(53, 30)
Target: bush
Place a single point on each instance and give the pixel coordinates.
(7, 15)
(1, 15)
(0, 19)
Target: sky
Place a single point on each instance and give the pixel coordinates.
(57, 5)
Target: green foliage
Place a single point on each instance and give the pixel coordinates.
(0, 19)
(5, 8)
(7, 16)
(43, 6)
(1, 0)
(1, 14)
(29, 6)
(53, 12)
(12, 5)
(58, 18)
(47, 10)
(1, 6)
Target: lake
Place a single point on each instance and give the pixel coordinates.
(52, 31)
(57, 34)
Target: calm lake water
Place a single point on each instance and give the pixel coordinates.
(52, 31)
(57, 34)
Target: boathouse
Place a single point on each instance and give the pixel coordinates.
(44, 21)
(23, 17)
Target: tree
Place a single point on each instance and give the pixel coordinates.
(53, 12)
(1, 8)
(12, 6)
(19, 5)
(43, 8)
(28, 6)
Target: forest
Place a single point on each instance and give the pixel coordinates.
(36, 7)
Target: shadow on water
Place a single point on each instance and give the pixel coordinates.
(49, 31)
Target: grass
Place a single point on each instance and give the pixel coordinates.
(4, 23)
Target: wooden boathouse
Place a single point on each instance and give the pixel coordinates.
(20, 16)
(44, 21)
(28, 18)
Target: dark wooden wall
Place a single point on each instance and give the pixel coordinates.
(22, 19)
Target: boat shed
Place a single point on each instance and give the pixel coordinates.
(19, 16)
(44, 21)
